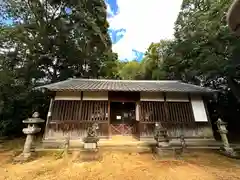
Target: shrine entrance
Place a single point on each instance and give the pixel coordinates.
(122, 117)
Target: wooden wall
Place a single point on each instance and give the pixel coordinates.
(124, 96)
(73, 112)
(72, 118)
(177, 114)
(68, 96)
(151, 96)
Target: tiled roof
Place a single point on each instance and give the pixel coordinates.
(124, 85)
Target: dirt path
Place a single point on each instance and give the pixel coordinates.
(120, 165)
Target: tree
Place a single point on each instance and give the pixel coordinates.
(129, 70)
(152, 63)
(202, 48)
(60, 37)
(48, 41)
(201, 53)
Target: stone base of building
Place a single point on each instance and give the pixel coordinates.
(209, 143)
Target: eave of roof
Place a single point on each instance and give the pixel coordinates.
(125, 85)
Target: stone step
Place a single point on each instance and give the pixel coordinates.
(54, 144)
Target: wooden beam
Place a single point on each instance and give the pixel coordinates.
(80, 111)
(48, 117)
(166, 107)
(52, 94)
(81, 95)
(137, 123)
(109, 119)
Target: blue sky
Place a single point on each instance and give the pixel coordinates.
(135, 24)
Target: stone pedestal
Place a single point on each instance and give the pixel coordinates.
(30, 131)
(163, 144)
(90, 146)
(165, 153)
(90, 143)
(90, 152)
(90, 155)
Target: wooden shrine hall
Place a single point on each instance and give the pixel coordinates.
(126, 107)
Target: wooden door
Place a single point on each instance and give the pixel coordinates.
(122, 120)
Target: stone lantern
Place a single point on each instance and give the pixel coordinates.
(160, 135)
(31, 130)
(222, 129)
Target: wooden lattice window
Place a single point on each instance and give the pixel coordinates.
(66, 110)
(80, 110)
(180, 112)
(152, 111)
(166, 112)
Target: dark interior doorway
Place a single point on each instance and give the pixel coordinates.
(123, 117)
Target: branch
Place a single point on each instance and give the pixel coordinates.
(54, 13)
(30, 7)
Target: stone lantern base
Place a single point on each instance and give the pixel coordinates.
(229, 152)
(164, 152)
(25, 157)
(90, 146)
(90, 150)
(163, 144)
(90, 155)
(90, 143)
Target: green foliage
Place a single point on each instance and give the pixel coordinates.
(130, 70)
(151, 67)
(58, 44)
(202, 49)
(200, 53)
(203, 44)
(152, 64)
(48, 41)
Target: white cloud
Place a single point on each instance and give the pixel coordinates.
(145, 21)
(109, 10)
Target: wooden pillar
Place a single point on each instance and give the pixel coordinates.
(81, 95)
(138, 117)
(166, 107)
(49, 115)
(80, 111)
(137, 111)
(109, 119)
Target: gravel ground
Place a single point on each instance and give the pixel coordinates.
(121, 165)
